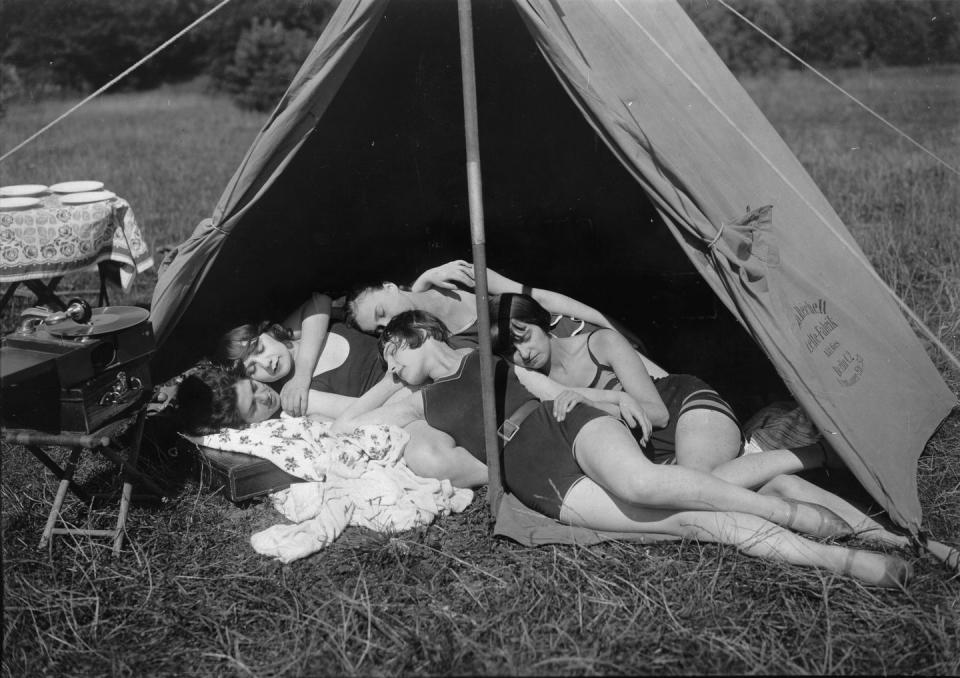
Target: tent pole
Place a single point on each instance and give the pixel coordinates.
(478, 238)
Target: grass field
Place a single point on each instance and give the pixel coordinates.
(189, 596)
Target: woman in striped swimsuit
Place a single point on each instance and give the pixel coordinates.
(676, 418)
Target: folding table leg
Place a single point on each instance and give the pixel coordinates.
(131, 464)
(61, 493)
(8, 295)
(58, 472)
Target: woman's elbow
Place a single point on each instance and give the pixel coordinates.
(659, 416)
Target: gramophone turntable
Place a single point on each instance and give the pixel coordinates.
(77, 369)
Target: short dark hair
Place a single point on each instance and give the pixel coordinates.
(508, 307)
(412, 328)
(353, 296)
(207, 401)
(350, 301)
(236, 345)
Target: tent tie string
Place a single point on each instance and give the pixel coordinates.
(857, 256)
(712, 243)
(117, 79)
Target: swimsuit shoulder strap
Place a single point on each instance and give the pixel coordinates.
(601, 367)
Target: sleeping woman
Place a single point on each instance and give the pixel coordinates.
(587, 469)
(676, 418)
(444, 292)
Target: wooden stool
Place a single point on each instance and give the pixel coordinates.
(103, 441)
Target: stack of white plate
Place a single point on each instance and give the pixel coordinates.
(25, 196)
(21, 197)
(81, 192)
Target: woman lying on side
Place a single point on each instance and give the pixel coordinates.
(676, 418)
(444, 292)
(588, 469)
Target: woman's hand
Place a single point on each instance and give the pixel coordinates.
(565, 402)
(446, 276)
(293, 396)
(634, 415)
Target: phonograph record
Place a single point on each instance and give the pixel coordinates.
(77, 369)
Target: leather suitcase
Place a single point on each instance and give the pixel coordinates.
(243, 476)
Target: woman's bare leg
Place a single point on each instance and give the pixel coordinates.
(710, 441)
(433, 454)
(611, 457)
(706, 439)
(865, 527)
(753, 470)
(700, 431)
(590, 505)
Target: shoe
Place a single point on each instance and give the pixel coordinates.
(947, 555)
(826, 524)
(878, 569)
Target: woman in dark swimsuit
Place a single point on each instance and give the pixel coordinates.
(346, 365)
(587, 469)
(676, 418)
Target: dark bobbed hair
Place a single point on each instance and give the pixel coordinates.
(412, 328)
(507, 308)
(207, 401)
(236, 345)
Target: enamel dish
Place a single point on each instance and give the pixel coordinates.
(22, 190)
(18, 203)
(91, 196)
(77, 186)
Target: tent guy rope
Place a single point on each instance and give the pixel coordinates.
(927, 332)
(117, 79)
(847, 94)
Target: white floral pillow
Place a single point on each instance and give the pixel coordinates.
(307, 449)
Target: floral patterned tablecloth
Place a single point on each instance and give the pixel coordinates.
(55, 239)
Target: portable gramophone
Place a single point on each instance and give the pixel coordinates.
(77, 369)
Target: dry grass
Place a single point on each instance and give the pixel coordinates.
(189, 596)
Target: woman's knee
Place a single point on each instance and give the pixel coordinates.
(780, 486)
(705, 439)
(437, 456)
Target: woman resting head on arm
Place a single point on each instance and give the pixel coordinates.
(370, 307)
(677, 419)
(588, 470)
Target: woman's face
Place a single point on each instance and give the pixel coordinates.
(373, 309)
(406, 364)
(270, 360)
(256, 402)
(531, 346)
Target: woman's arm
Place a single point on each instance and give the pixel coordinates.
(327, 405)
(447, 276)
(552, 301)
(611, 348)
(313, 321)
(545, 388)
(377, 407)
(460, 272)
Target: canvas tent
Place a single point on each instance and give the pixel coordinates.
(622, 164)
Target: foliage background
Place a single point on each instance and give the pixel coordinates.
(250, 47)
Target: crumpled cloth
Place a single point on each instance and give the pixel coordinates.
(359, 479)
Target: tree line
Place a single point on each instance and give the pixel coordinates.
(251, 48)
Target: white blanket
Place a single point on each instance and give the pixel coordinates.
(359, 479)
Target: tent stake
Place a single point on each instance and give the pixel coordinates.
(478, 238)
